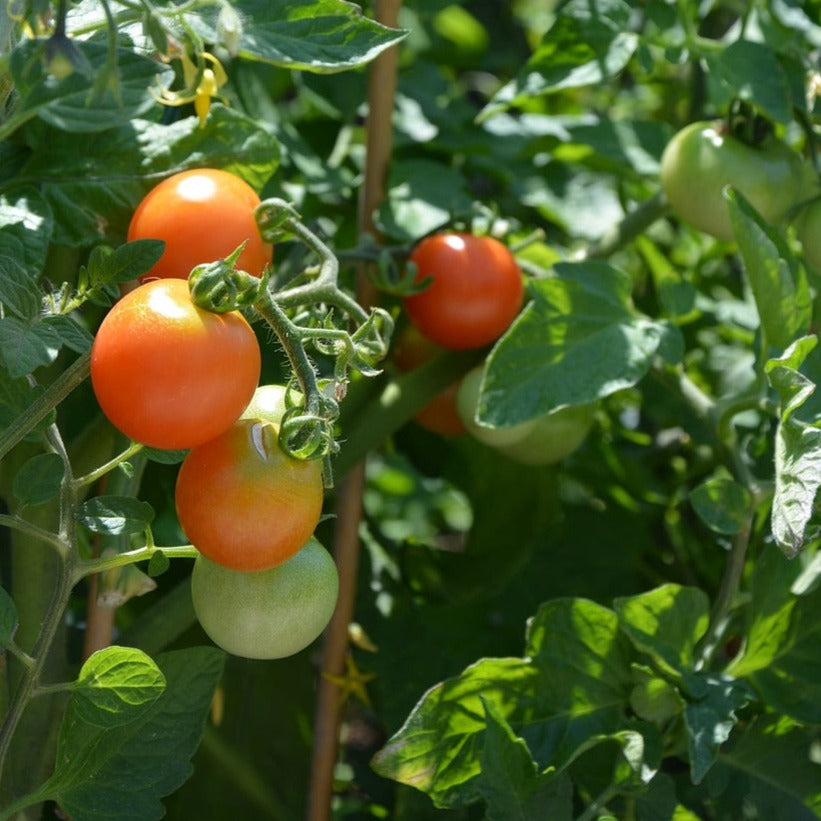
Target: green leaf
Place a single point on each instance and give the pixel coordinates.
(8, 618)
(73, 104)
(116, 685)
(784, 376)
(778, 282)
(123, 771)
(115, 515)
(110, 266)
(69, 333)
(710, 720)
(722, 504)
(572, 687)
(19, 293)
(39, 479)
(776, 758)
(26, 223)
(751, 71)
(588, 43)
(312, 35)
(797, 477)
(16, 396)
(511, 785)
(780, 658)
(158, 564)
(422, 196)
(92, 203)
(667, 624)
(577, 341)
(24, 346)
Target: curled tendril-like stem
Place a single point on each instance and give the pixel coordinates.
(316, 312)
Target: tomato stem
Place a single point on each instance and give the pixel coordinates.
(140, 554)
(132, 450)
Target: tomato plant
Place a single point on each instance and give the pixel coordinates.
(243, 502)
(168, 373)
(266, 614)
(475, 290)
(203, 215)
(703, 158)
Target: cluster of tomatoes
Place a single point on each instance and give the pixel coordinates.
(172, 375)
(475, 292)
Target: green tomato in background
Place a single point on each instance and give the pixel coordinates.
(701, 159)
(467, 401)
(553, 437)
(541, 441)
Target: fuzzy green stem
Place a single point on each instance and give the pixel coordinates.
(83, 481)
(633, 225)
(86, 567)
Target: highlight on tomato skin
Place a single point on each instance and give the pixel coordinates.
(475, 291)
(168, 373)
(243, 502)
(268, 614)
(202, 214)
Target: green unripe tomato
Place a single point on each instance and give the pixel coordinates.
(268, 614)
(467, 400)
(553, 437)
(268, 404)
(700, 160)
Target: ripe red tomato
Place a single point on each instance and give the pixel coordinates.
(475, 293)
(243, 502)
(440, 414)
(203, 215)
(168, 373)
(269, 614)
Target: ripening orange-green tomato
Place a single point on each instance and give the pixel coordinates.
(270, 402)
(271, 613)
(168, 373)
(440, 414)
(243, 502)
(203, 215)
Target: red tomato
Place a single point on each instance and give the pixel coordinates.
(203, 215)
(168, 373)
(440, 414)
(475, 293)
(243, 502)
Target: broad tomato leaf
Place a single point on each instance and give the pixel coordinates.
(115, 515)
(313, 35)
(577, 341)
(39, 479)
(116, 685)
(26, 226)
(722, 504)
(589, 42)
(105, 772)
(19, 293)
(778, 281)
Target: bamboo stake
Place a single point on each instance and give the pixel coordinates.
(381, 89)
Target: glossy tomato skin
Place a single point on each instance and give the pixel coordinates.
(700, 160)
(475, 293)
(269, 614)
(243, 502)
(202, 214)
(440, 414)
(168, 373)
